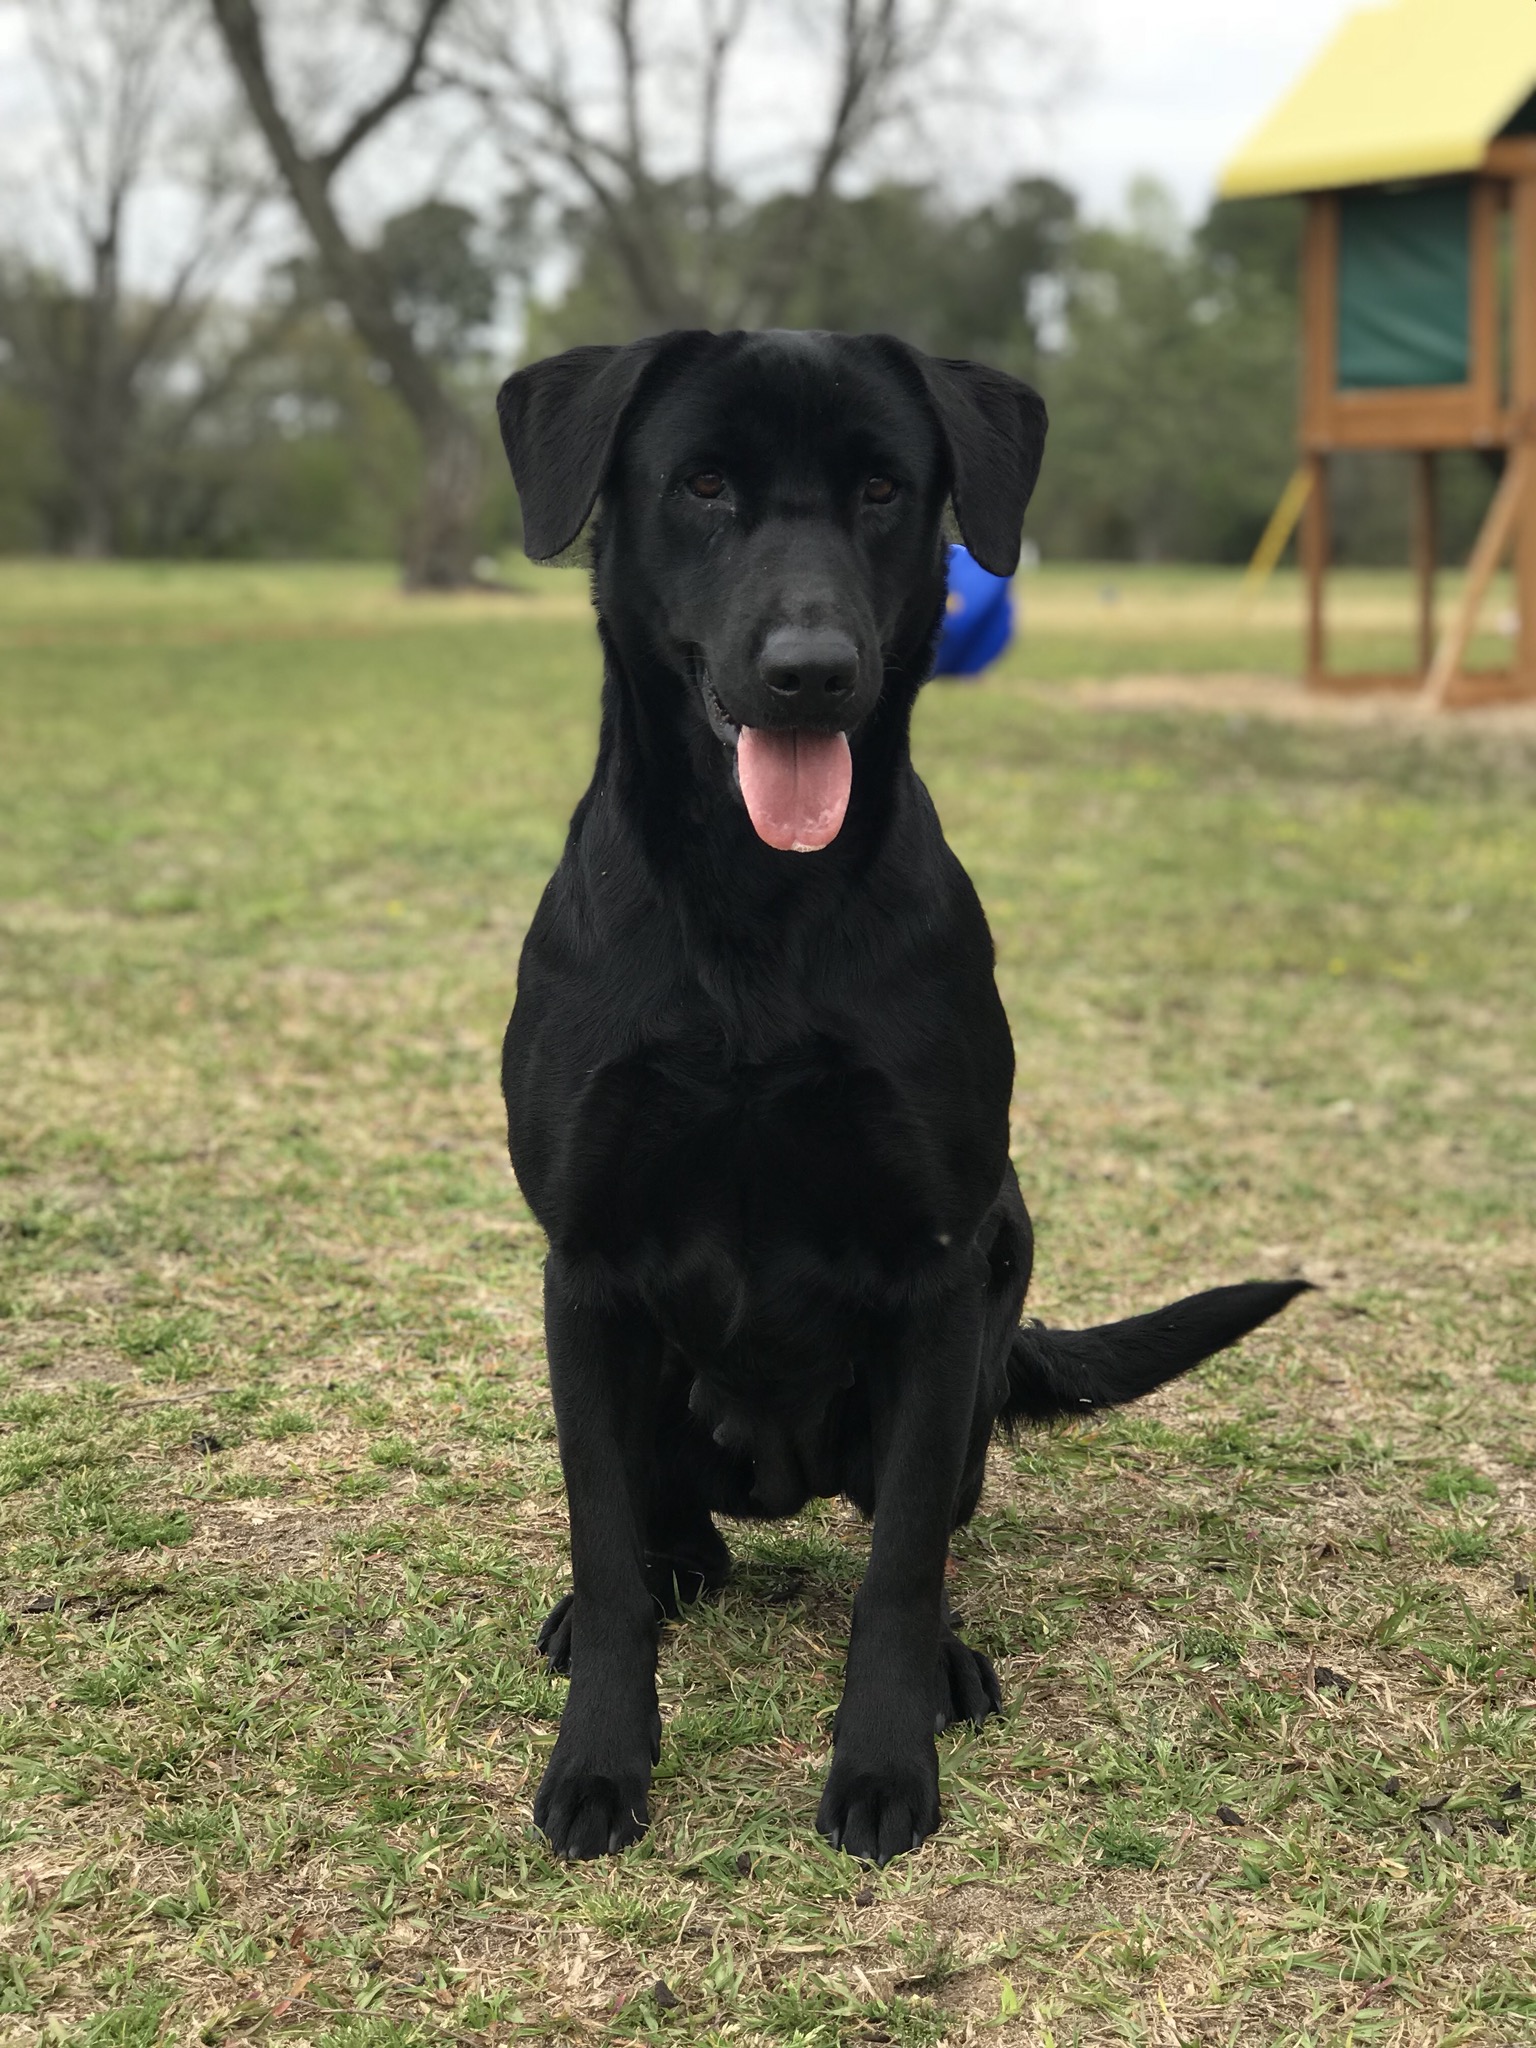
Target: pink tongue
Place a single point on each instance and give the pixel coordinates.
(795, 786)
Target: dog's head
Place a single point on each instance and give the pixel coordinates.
(771, 527)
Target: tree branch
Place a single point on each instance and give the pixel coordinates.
(209, 250)
(258, 343)
(720, 39)
(354, 278)
(621, 20)
(439, 551)
(404, 88)
(613, 175)
(874, 50)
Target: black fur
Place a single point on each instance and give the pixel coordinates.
(759, 1100)
(1071, 1372)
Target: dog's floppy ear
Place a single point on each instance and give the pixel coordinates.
(994, 428)
(560, 422)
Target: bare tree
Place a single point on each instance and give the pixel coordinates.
(645, 117)
(439, 548)
(588, 101)
(99, 350)
(881, 46)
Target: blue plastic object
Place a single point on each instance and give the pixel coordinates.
(978, 622)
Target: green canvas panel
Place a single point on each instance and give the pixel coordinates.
(1404, 286)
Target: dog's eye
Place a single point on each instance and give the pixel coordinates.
(708, 483)
(879, 490)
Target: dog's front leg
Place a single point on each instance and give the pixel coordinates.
(602, 1371)
(882, 1792)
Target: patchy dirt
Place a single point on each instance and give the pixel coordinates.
(1283, 697)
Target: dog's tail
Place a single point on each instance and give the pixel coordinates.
(1070, 1372)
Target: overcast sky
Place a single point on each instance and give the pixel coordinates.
(1169, 87)
(1174, 86)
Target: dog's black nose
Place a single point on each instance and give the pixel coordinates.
(811, 662)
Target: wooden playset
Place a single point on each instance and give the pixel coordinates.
(1413, 138)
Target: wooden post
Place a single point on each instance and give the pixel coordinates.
(1494, 537)
(1484, 368)
(1314, 557)
(1319, 355)
(1319, 315)
(1426, 551)
(1523, 406)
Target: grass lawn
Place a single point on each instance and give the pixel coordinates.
(281, 1502)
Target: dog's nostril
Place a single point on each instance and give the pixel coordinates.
(809, 661)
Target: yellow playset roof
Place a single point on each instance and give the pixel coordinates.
(1412, 90)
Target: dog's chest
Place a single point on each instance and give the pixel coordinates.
(721, 1171)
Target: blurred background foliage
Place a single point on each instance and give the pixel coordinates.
(296, 409)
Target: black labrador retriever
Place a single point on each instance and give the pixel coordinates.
(758, 1073)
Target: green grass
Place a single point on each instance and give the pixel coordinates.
(280, 1497)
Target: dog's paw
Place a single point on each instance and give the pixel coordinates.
(877, 1811)
(586, 1811)
(554, 1643)
(968, 1687)
(675, 1580)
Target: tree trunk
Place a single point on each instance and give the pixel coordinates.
(94, 538)
(439, 541)
(440, 535)
(94, 406)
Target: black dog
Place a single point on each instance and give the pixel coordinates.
(759, 1101)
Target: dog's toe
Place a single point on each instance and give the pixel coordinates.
(875, 1814)
(968, 1687)
(554, 1642)
(588, 1813)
